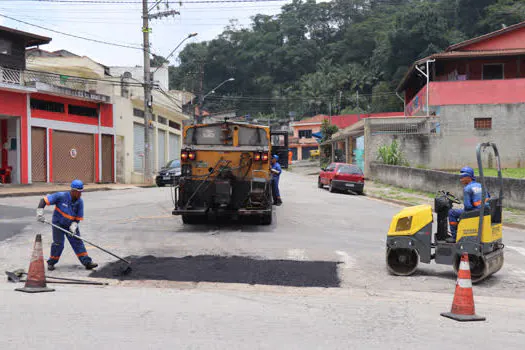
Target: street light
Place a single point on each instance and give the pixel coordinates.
(201, 100)
(191, 35)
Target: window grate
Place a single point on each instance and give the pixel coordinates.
(47, 106)
(483, 123)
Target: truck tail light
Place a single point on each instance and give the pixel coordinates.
(257, 157)
(192, 155)
(265, 157)
(184, 155)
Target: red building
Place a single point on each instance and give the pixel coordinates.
(53, 128)
(475, 91)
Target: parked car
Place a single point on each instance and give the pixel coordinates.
(170, 174)
(342, 177)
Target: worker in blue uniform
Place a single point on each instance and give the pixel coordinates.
(69, 211)
(472, 197)
(276, 174)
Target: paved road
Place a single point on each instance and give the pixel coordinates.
(371, 309)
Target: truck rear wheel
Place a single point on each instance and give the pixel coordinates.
(266, 219)
(193, 219)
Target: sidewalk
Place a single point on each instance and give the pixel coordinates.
(45, 188)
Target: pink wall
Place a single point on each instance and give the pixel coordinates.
(469, 92)
(511, 40)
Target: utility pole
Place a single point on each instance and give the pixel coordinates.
(148, 102)
(201, 93)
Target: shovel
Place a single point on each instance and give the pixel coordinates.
(124, 271)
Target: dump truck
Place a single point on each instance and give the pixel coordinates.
(225, 172)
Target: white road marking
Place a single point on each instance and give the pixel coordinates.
(296, 254)
(517, 249)
(347, 261)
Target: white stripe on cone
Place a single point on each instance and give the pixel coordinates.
(463, 265)
(465, 283)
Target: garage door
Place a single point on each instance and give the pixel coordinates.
(73, 157)
(138, 146)
(38, 155)
(162, 149)
(174, 146)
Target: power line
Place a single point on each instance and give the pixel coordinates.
(72, 35)
(124, 2)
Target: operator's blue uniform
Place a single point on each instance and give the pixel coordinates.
(472, 197)
(66, 212)
(275, 181)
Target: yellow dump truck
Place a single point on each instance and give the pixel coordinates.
(225, 171)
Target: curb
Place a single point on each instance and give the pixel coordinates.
(41, 193)
(406, 204)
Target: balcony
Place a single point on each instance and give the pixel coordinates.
(468, 92)
(51, 83)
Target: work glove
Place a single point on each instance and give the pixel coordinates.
(73, 228)
(40, 215)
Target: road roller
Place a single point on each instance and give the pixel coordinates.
(410, 239)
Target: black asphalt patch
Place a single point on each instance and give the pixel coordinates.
(231, 269)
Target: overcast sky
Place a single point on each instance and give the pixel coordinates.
(121, 23)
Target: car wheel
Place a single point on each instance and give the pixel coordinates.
(331, 188)
(319, 183)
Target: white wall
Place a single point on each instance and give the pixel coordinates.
(161, 76)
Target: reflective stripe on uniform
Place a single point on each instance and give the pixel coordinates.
(68, 216)
(464, 283)
(82, 254)
(54, 257)
(46, 200)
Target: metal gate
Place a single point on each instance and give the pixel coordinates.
(174, 146)
(38, 155)
(73, 157)
(306, 151)
(138, 147)
(162, 149)
(107, 158)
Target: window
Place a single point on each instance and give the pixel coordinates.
(47, 106)
(305, 133)
(5, 47)
(138, 113)
(483, 123)
(84, 111)
(174, 125)
(492, 71)
(331, 167)
(163, 120)
(350, 170)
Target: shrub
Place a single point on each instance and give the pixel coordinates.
(391, 154)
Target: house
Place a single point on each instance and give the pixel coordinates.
(165, 129)
(53, 127)
(474, 92)
(124, 87)
(303, 140)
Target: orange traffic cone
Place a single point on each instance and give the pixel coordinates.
(36, 277)
(463, 304)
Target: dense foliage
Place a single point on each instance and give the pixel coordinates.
(331, 57)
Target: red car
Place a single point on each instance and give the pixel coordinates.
(342, 177)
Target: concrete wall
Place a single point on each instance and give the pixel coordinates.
(433, 181)
(454, 145)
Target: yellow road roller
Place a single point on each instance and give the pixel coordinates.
(479, 234)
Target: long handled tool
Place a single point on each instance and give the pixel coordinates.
(125, 271)
(15, 277)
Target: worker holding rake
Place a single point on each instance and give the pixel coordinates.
(69, 211)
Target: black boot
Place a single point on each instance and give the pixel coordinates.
(50, 267)
(90, 265)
